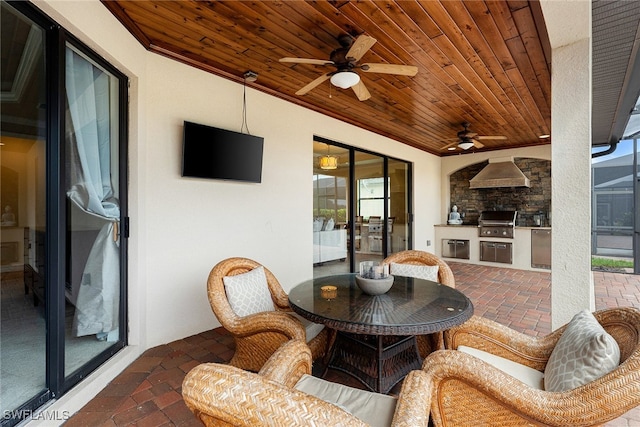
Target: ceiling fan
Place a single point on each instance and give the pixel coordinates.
(345, 60)
(467, 139)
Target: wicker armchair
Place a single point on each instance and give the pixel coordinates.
(468, 391)
(223, 395)
(257, 336)
(413, 257)
(426, 343)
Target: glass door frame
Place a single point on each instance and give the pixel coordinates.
(352, 202)
(56, 383)
(66, 383)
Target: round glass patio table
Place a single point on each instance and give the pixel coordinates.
(376, 340)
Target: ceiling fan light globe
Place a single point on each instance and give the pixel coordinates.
(465, 145)
(345, 79)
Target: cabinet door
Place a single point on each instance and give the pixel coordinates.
(487, 251)
(503, 253)
(541, 248)
(448, 248)
(462, 249)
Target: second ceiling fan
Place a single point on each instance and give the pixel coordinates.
(345, 60)
(467, 139)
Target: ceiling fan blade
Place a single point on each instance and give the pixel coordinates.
(360, 47)
(361, 91)
(307, 61)
(401, 70)
(456, 144)
(453, 144)
(313, 84)
(502, 137)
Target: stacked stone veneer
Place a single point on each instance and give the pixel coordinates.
(527, 201)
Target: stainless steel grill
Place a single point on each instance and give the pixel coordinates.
(497, 224)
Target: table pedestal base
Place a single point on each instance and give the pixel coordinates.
(378, 361)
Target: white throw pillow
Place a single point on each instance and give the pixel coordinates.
(248, 293)
(584, 353)
(329, 225)
(426, 272)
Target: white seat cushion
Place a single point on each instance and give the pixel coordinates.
(584, 353)
(527, 375)
(248, 293)
(426, 272)
(312, 329)
(374, 409)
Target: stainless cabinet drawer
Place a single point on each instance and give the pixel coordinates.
(455, 248)
(496, 252)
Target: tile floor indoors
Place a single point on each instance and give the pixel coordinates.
(147, 393)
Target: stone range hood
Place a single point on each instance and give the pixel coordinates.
(500, 172)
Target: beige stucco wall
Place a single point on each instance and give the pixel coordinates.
(194, 223)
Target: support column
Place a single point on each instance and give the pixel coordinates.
(569, 28)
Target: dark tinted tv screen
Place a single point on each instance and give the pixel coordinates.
(209, 152)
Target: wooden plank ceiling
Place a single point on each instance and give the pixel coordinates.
(483, 62)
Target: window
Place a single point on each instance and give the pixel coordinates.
(371, 197)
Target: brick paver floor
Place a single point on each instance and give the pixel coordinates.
(147, 393)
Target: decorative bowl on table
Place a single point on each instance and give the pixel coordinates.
(374, 278)
(374, 286)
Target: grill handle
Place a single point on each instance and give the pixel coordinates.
(498, 223)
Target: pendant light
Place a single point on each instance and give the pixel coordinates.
(328, 162)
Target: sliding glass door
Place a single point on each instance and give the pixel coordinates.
(63, 155)
(370, 207)
(331, 212)
(93, 230)
(23, 326)
(399, 206)
(361, 208)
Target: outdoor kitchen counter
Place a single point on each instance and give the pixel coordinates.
(521, 244)
(475, 226)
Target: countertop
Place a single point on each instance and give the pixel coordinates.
(518, 227)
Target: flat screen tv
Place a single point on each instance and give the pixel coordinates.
(213, 153)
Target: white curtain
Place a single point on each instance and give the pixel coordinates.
(88, 97)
